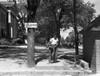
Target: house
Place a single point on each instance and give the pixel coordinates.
(91, 44)
(3, 21)
(8, 20)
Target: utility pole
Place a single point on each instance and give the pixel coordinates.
(75, 29)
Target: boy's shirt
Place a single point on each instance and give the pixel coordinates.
(53, 41)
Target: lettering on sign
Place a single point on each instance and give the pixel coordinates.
(31, 25)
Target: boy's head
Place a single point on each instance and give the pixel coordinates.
(55, 36)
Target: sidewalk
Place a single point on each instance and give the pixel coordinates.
(11, 67)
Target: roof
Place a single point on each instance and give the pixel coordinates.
(10, 5)
(94, 25)
(7, 3)
(1, 6)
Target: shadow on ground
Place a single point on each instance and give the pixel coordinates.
(70, 56)
(40, 54)
(21, 54)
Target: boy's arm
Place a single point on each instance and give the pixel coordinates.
(49, 43)
(57, 43)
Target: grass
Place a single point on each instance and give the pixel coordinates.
(21, 53)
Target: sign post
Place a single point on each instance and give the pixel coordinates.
(31, 44)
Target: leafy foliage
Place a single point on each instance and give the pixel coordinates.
(85, 11)
(4, 41)
(48, 11)
(70, 40)
(52, 14)
(42, 41)
(17, 41)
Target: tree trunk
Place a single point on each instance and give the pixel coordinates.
(57, 21)
(58, 31)
(31, 48)
(32, 7)
(75, 29)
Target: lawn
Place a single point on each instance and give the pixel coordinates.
(41, 52)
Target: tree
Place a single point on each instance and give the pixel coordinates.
(21, 14)
(47, 14)
(55, 14)
(50, 8)
(51, 11)
(31, 8)
(67, 13)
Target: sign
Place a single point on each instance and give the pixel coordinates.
(31, 25)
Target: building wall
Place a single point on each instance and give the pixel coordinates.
(3, 22)
(5, 25)
(14, 24)
(91, 49)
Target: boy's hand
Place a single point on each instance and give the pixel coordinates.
(48, 44)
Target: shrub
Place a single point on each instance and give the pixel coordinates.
(17, 41)
(70, 41)
(63, 42)
(4, 41)
(42, 41)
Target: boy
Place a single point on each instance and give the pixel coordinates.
(53, 43)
